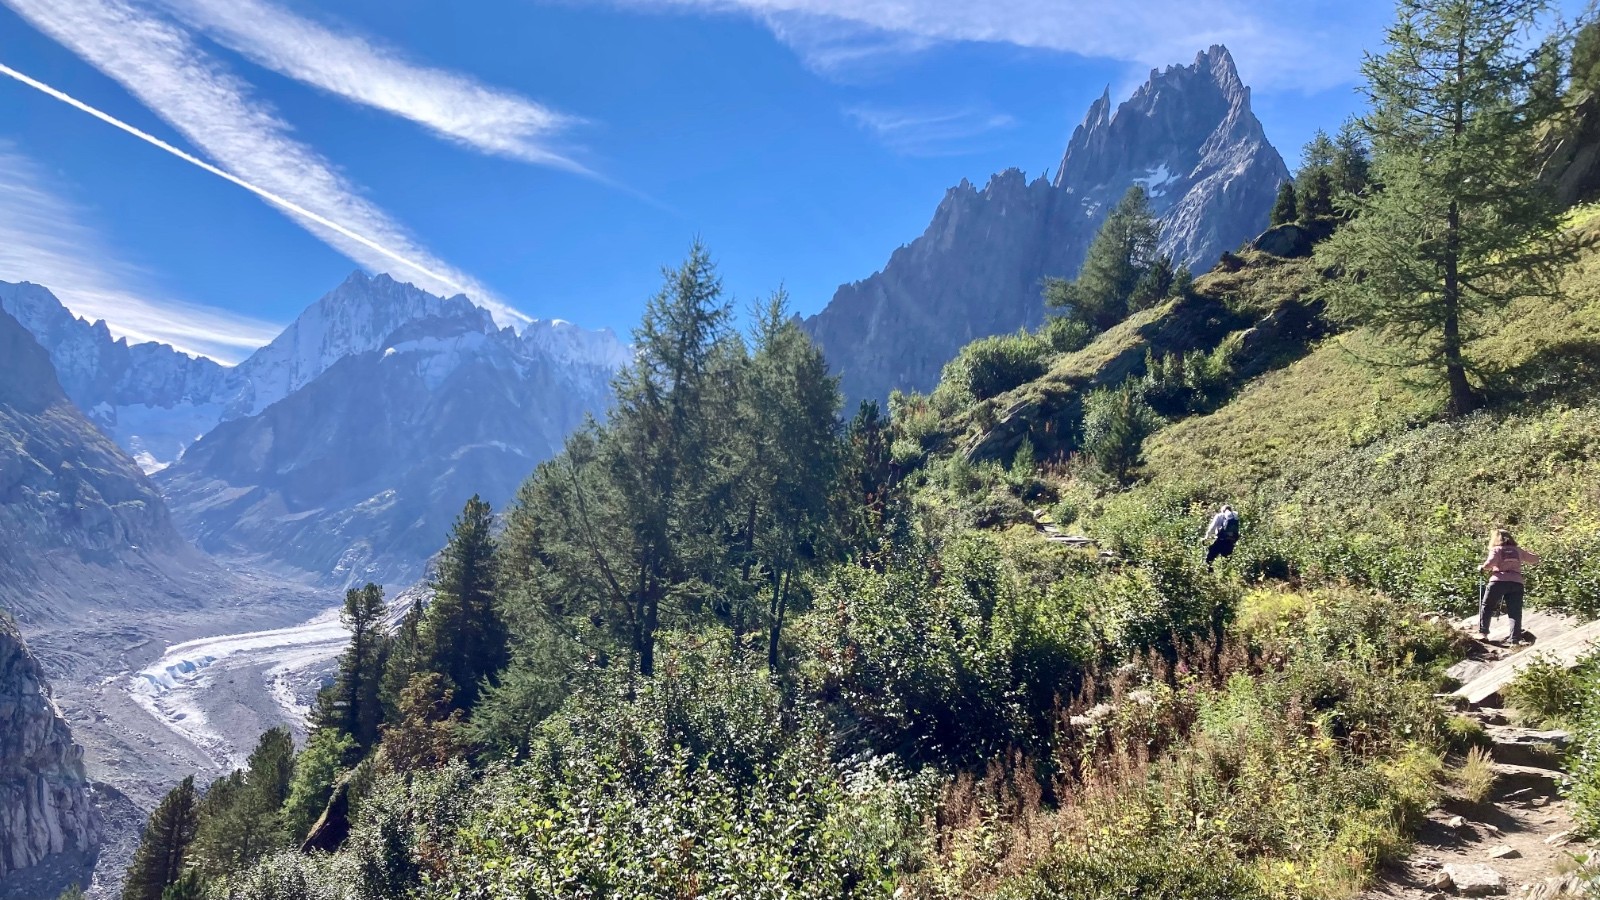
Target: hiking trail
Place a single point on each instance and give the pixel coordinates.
(1522, 839)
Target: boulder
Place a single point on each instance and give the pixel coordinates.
(1293, 240)
(1475, 879)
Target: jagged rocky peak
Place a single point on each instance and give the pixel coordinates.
(1187, 135)
(355, 317)
(48, 820)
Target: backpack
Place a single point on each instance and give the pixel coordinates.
(1230, 526)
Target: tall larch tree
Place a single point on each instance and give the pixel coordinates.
(1462, 224)
(658, 441)
(464, 636)
(791, 417)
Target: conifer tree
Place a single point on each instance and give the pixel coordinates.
(159, 861)
(463, 635)
(241, 815)
(1119, 260)
(868, 482)
(1116, 422)
(790, 419)
(1463, 224)
(1285, 209)
(1314, 183)
(352, 703)
(189, 886)
(655, 448)
(1584, 71)
(403, 660)
(1351, 170)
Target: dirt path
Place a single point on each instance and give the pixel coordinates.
(1520, 841)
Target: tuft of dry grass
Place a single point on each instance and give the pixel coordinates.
(1475, 778)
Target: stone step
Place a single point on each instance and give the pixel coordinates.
(1527, 747)
(1514, 782)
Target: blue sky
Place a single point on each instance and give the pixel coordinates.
(550, 157)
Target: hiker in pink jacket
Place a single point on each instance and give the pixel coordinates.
(1504, 565)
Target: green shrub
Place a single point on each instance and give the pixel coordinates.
(704, 784)
(1116, 422)
(958, 654)
(991, 366)
(1067, 334)
(1545, 692)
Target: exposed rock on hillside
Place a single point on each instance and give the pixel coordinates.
(49, 828)
(1188, 135)
(74, 509)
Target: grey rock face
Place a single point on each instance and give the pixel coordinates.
(46, 811)
(67, 493)
(1188, 135)
(357, 474)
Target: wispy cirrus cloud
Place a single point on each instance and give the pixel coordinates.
(1310, 50)
(351, 66)
(161, 66)
(929, 133)
(43, 239)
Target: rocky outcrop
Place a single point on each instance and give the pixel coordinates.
(1572, 153)
(49, 827)
(1188, 136)
(1293, 240)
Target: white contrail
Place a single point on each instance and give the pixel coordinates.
(159, 64)
(190, 158)
(352, 66)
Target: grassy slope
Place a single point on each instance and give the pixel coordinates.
(1335, 430)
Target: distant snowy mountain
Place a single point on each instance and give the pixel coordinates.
(151, 399)
(357, 474)
(343, 449)
(155, 401)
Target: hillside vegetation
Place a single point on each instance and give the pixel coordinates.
(729, 644)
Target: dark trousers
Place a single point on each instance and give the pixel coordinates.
(1497, 593)
(1222, 546)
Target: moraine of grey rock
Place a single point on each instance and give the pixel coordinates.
(1188, 135)
(49, 827)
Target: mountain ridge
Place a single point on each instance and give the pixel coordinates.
(1188, 135)
(155, 401)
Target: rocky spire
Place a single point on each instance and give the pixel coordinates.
(1187, 135)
